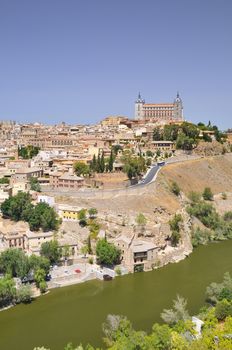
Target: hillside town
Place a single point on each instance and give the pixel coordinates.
(68, 178)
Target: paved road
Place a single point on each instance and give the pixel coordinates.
(150, 176)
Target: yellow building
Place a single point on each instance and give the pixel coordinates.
(68, 212)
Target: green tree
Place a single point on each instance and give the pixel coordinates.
(7, 291)
(84, 250)
(111, 162)
(35, 185)
(66, 251)
(39, 262)
(157, 134)
(223, 309)
(93, 164)
(51, 251)
(207, 194)
(43, 286)
(107, 253)
(13, 207)
(175, 229)
(81, 168)
(102, 163)
(28, 152)
(39, 276)
(92, 212)
(179, 312)
(4, 180)
(14, 262)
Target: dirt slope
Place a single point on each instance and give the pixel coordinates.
(214, 172)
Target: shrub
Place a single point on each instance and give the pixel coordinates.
(200, 236)
(207, 194)
(194, 196)
(228, 216)
(224, 196)
(175, 188)
(90, 260)
(223, 309)
(175, 228)
(118, 271)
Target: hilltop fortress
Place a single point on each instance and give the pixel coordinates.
(159, 111)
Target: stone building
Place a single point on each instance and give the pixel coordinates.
(159, 111)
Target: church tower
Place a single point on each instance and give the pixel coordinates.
(139, 114)
(178, 108)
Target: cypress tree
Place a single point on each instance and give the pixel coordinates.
(111, 161)
(102, 163)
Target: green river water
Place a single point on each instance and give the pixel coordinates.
(76, 313)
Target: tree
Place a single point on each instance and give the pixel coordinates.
(4, 180)
(43, 286)
(171, 132)
(66, 251)
(7, 291)
(102, 163)
(81, 168)
(177, 313)
(35, 185)
(175, 229)
(223, 309)
(51, 251)
(39, 277)
(28, 152)
(13, 207)
(84, 250)
(14, 262)
(39, 262)
(207, 194)
(111, 162)
(107, 253)
(115, 327)
(82, 214)
(157, 134)
(92, 212)
(93, 164)
(41, 215)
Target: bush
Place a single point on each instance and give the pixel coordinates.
(194, 197)
(175, 188)
(224, 196)
(200, 236)
(90, 260)
(207, 194)
(228, 216)
(24, 294)
(223, 309)
(175, 229)
(118, 271)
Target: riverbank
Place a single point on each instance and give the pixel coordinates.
(66, 314)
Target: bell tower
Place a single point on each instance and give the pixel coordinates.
(178, 108)
(139, 107)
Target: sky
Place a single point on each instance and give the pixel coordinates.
(79, 61)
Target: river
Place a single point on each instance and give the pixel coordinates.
(76, 313)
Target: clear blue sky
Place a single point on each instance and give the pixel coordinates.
(81, 60)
